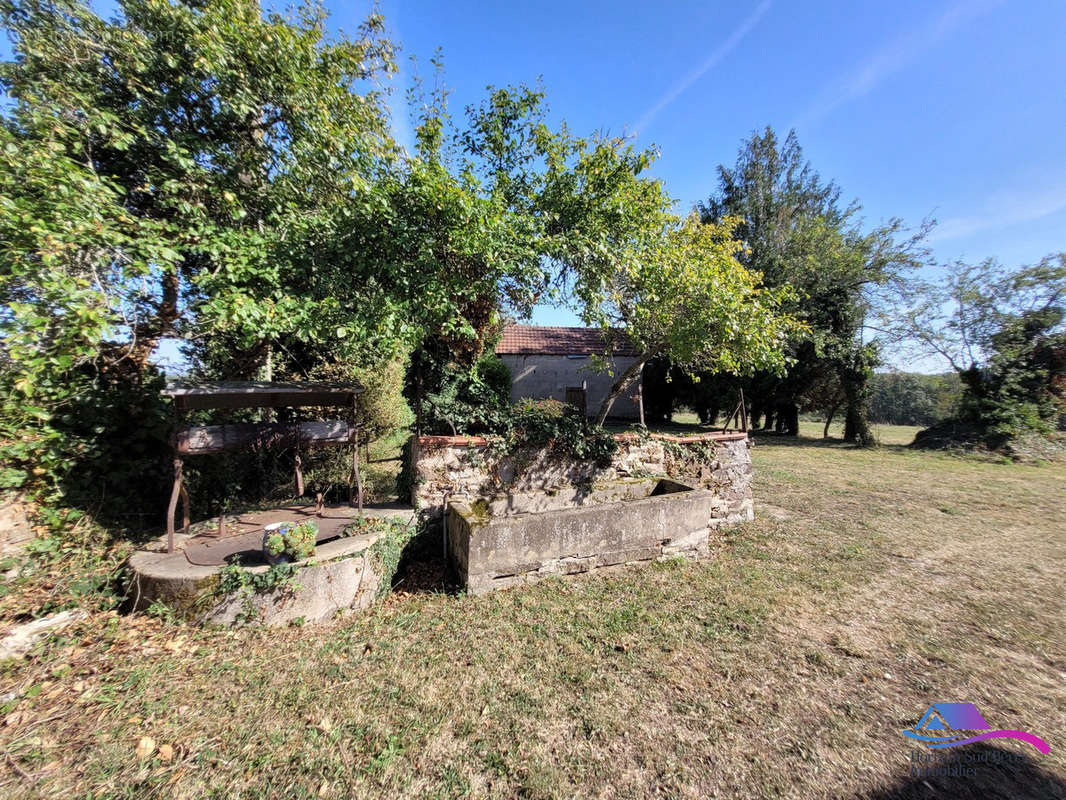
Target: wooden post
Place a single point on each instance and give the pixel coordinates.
(358, 477)
(743, 412)
(355, 460)
(640, 400)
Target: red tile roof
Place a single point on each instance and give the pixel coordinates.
(545, 340)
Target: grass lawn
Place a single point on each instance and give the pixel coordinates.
(873, 583)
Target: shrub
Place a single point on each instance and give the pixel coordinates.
(459, 399)
(381, 405)
(560, 428)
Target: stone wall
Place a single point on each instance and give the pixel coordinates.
(463, 467)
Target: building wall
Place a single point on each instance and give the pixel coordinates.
(544, 376)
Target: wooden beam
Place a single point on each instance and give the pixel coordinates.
(202, 439)
(260, 394)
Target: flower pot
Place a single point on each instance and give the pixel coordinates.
(268, 530)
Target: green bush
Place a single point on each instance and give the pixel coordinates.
(87, 438)
(560, 428)
(382, 408)
(457, 399)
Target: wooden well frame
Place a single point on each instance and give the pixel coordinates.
(192, 440)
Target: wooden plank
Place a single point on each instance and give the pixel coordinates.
(260, 394)
(197, 440)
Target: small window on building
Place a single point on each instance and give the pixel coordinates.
(577, 397)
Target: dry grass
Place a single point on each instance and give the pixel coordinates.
(873, 583)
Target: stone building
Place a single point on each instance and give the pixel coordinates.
(556, 362)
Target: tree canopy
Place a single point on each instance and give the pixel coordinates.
(798, 234)
(1003, 331)
(207, 173)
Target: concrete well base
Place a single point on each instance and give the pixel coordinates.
(343, 575)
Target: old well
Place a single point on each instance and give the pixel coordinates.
(349, 567)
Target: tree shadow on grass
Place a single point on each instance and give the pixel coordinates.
(995, 773)
(772, 439)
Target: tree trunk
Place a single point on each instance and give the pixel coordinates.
(148, 334)
(829, 419)
(769, 422)
(620, 385)
(756, 411)
(856, 426)
(788, 419)
(712, 414)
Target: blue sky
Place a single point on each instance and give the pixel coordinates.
(955, 110)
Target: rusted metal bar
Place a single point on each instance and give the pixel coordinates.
(731, 417)
(358, 477)
(184, 510)
(173, 505)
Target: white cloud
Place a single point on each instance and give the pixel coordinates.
(892, 57)
(1002, 210)
(723, 50)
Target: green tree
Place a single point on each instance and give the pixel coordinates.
(174, 172)
(798, 234)
(1004, 333)
(685, 295)
(608, 243)
(900, 398)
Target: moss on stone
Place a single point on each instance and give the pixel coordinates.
(480, 509)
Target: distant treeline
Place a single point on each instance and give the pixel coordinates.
(910, 398)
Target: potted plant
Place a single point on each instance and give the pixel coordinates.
(285, 542)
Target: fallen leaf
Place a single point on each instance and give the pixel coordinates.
(145, 747)
(166, 752)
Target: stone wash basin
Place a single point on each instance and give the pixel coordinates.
(501, 541)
